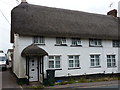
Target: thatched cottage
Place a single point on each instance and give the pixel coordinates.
(70, 42)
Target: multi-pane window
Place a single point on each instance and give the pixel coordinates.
(111, 61)
(116, 43)
(39, 40)
(95, 60)
(76, 42)
(95, 42)
(54, 61)
(60, 40)
(74, 61)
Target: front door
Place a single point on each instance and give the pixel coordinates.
(33, 69)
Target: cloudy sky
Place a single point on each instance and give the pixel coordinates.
(92, 6)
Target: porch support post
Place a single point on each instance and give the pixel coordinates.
(42, 67)
(27, 68)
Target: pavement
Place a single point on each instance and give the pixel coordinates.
(87, 85)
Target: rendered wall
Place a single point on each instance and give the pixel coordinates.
(64, 51)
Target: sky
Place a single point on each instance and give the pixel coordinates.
(91, 6)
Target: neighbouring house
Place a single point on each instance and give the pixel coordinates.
(10, 54)
(10, 57)
(70, 42)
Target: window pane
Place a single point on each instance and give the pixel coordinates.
(76, 63)
(51, 64)
(57, 57)
(51, 57)
(97, 62)
(58, 41)
(63, 40)
(76, 57)
(97, 56)
(35, 39)
(41, 40)
(70, 63)
(92, 56)
(108, 64)
(70, 57)
(108, 56)
(92, 62)
(57, 64)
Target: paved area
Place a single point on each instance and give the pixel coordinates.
(8, 79)
(88, 85)
(8, 82)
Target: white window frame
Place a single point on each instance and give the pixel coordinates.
(62, 41)
(40, 40)
(54, 61)
(111, 61)
(95, 42)
(76, 42)
(95, 60)
(73, 59)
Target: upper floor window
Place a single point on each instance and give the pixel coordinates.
(54, 61)
(95, 42)
(111, 61)
(116, 43)
(61, 41)
(95, 60)
(74, 61)
(39, 40)
(76, 42)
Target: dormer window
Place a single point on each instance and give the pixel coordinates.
(39, 40)
(95, 42)
(76, 42)
(61, 41)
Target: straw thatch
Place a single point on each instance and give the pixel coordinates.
(33, 20)
(33, 50)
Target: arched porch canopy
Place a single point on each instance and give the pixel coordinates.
(33, 50)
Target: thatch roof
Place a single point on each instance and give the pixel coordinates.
(33, 20)
(33, 50)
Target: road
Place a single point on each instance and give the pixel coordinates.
(8, 82)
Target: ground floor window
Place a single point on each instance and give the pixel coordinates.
(74, 61)
(95, 60)
(54, 61)
(111, 61)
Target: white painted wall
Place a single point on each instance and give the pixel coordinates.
(22, 42)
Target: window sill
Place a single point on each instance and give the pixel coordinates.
(76, 45)
(54, 69)
(60, 44)
(94, 46)
(74, 68)
(38, 44)
(95, 67)
(112, 67)
(116, 46)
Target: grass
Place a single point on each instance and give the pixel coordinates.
(35, 87)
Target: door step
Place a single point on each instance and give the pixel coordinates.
(35, 83)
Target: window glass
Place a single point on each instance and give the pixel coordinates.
(74, 61)
(54, 61)
(60, 40)
(76, 41)
(111, 61)
(39, 40)
(95, 60)
(2, 58)
(95, 42)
